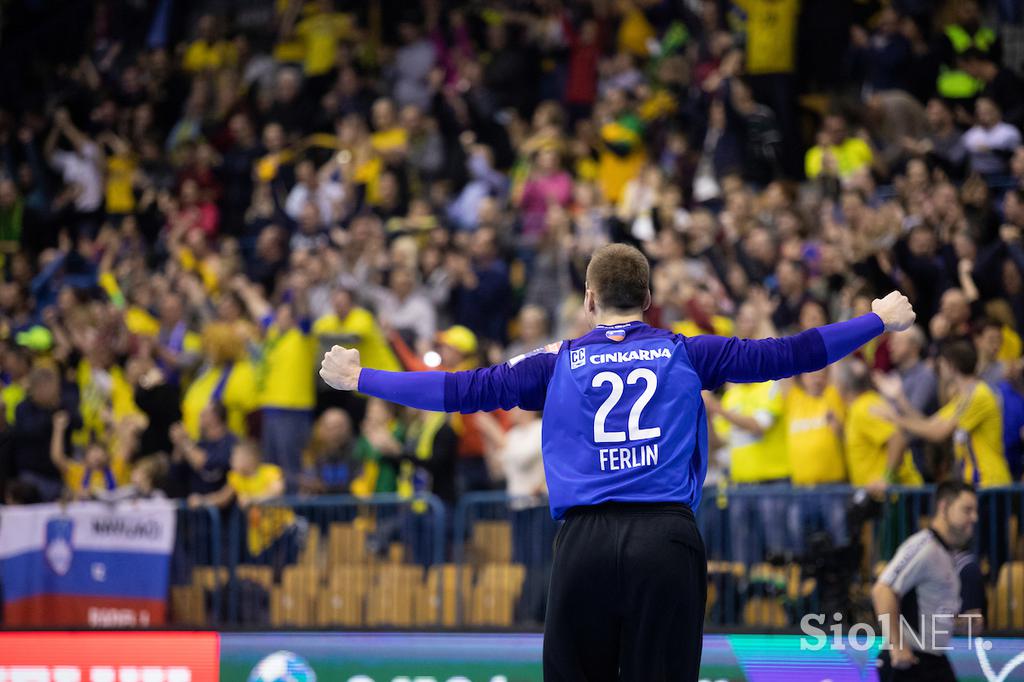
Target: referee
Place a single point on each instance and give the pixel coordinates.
(625, 448)
(918, 596)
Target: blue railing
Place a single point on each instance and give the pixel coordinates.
(774, 552)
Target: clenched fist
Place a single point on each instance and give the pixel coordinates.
(895, 310)
(340, 368)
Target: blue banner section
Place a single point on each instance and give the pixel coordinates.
(89, 574)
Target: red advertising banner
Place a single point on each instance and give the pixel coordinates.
(109, 657)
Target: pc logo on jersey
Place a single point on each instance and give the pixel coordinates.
(577, 358)
(58, 550)
(616, 335)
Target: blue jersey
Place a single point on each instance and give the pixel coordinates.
(624, 420)
(623, 416)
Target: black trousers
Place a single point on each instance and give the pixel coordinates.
(627, 594)
(929, 668)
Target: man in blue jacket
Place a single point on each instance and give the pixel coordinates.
(625, 453)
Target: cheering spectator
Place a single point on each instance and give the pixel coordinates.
(32, 437)
(991, 141)
(876, 454)
(988, 339)
(329, 463)
(360, 330)
(814, 425)
(98, 472)
(837, 154)
(271, 531)
(971, 418)
(201, 467)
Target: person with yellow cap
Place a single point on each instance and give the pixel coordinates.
(457, 350)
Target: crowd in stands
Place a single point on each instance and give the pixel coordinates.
(198, 198)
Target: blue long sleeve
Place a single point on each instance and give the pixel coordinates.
(422, 390)
(842, 338)
(718, 359)
(521, 382)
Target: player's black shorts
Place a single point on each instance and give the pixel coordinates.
(627, 595)
(929, 668)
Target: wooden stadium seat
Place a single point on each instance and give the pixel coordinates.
(399, 574)
(310, 554)
(342, 602)
(491, 542)
(493, 606)
(793, 583)
(290, 607)
(392, 596)
(396, 553)
(711, 600)
(425, 606)
(443, 585)
(302, 578)
(765, 612)
(261, 575)
(509, 577)
(366, 522)
(355, 577)
(209, 577)
(1007, 610)
(188, 605)
(495, 594)
(346, 544)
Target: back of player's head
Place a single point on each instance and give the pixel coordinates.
(620, 277)
(961, 356)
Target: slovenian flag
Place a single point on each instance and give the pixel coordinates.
(87, 563)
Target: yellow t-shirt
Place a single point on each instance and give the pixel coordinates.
(202, 56)
(266, 524)
(12, 395)
(99, 392)
(755, 458)
(721, 326)
(238, 396)
(141, 323)
(374, 350)
(866, 436)
(771, 35)
(74, 476)
(815, 449)
(851, 156)
(620, 160)
(635, 32)
(287, 371)
(320, 34)
(1012, 346)
(978, 439)
(206, 271)
(119, 196)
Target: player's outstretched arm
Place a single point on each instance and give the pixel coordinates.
(718, 360)
(521, 383)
